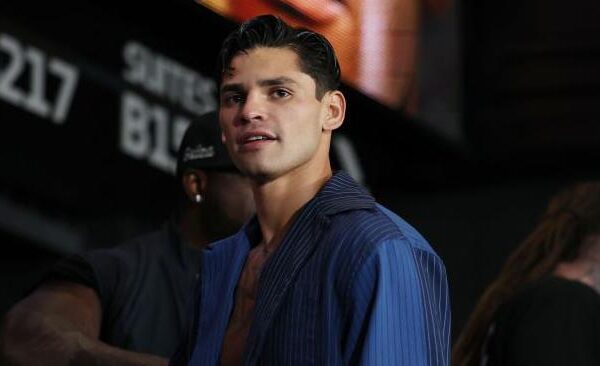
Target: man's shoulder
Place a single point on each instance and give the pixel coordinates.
(140, 250)
(376, 227)
(363, 244)
(148, 241)
(405, 230)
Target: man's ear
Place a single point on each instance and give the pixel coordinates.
(223, 139)
(194, 183)
(336, 110)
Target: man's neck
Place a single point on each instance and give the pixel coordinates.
(278, 201)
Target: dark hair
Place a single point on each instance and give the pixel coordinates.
(315, 53)
(571, 217)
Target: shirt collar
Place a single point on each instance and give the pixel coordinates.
(341, 193)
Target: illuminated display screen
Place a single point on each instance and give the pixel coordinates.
(375, 41)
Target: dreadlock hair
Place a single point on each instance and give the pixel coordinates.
(571, 217)
(315, 54)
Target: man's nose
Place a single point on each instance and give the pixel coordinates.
(253, 109)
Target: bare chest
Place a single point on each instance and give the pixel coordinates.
(241, 319)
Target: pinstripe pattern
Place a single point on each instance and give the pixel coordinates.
(351, 284)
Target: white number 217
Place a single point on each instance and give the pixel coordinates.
(35, 99)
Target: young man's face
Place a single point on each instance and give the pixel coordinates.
(271, 119)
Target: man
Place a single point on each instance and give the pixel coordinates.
(322, 275)
(127, 305)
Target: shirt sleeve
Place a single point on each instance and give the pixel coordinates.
(103, 270)
(401, 294)
(97, 272)
(74, 268)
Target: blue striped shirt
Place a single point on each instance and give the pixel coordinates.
(350, 284)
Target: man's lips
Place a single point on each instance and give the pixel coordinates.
(255, 136)
(254, 140)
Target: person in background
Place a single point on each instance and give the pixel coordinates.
(127, 305)
(544, 306)
(322, 275)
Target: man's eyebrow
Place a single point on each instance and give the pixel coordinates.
(238, 87)
(231, 88)
(282, 80)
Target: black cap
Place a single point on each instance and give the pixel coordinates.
(201, 146)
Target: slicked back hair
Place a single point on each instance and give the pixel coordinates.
(315, 54)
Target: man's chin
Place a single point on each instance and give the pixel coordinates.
(258, 174)
(260, 177)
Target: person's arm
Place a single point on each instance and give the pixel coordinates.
(59, 324)
(401, 295)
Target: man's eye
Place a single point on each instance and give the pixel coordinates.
(233, 99)
(281, 93)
